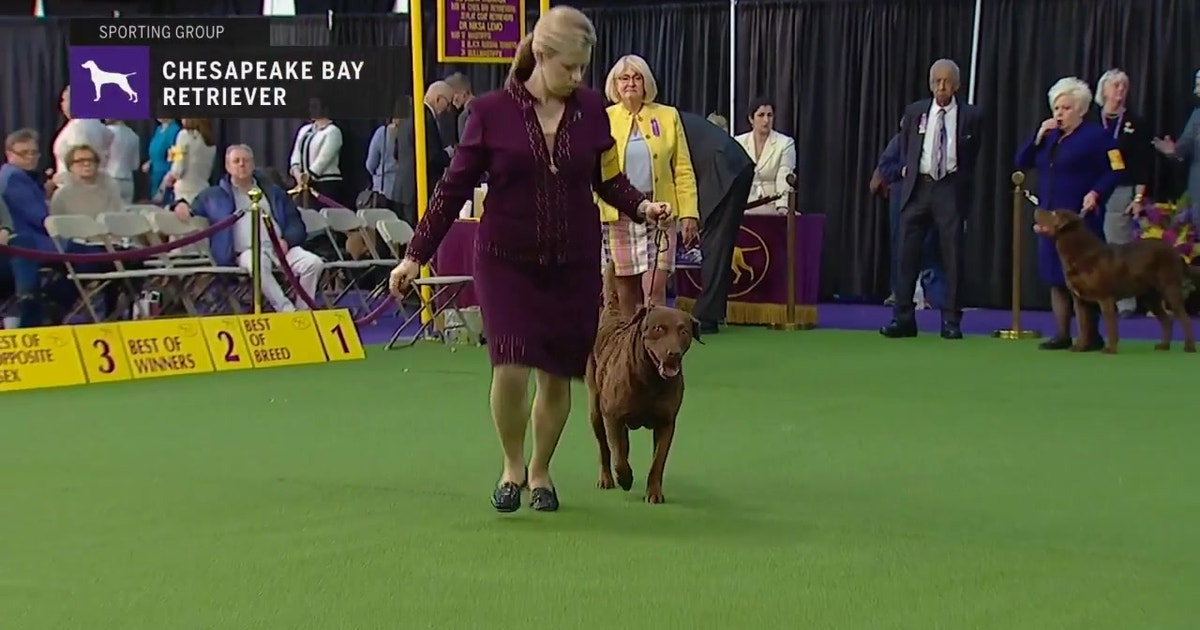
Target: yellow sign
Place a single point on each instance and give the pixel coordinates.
(165, 347)
(36, 358)
(277, 339)
(339, 334)
(226, 343)
(102, 352)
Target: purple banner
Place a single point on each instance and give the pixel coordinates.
(479, 31)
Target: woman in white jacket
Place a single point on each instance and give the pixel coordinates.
(316, 156)
(192, 160)
(774, 155)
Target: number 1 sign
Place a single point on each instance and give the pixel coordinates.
(339, 335)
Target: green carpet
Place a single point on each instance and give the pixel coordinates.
(819, 480)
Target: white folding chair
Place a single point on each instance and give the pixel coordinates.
(198, 259)
(63, 228)
(348, 223)
(444, 297)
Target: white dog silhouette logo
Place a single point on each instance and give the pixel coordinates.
(101, 78)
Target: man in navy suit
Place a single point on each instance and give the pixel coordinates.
(940, 144)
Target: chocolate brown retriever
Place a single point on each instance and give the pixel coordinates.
(635, 381)
(1102, 273)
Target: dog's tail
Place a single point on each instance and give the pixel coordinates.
(611, 298)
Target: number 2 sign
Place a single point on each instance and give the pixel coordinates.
(226, 343)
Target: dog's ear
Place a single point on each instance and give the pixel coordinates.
(640, 315)
(696, 330)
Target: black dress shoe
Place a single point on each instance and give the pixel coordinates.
(899, 330)
(544, 499)
(951, 330)
(507, 496)
(1057, 342)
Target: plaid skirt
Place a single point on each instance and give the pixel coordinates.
(631, 246)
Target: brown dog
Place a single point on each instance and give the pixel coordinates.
(635, 381)
(1102, 273)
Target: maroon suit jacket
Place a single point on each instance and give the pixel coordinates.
(531, 213)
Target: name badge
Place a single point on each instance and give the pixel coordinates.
(654, 127)
(922, 123)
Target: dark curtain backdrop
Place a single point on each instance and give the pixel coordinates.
(1024, 48)
(840, 73)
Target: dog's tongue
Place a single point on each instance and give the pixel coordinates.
(668, 371)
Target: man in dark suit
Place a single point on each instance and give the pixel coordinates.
(437, 157)
(940, 144)
(724, 176)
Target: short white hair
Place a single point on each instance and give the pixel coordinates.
(1073, 88)
(1115, 74)
(638, 65)
(244, 148)
(946, 63)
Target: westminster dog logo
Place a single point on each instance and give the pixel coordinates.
(101, 78)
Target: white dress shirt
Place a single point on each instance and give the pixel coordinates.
(929, 137)
(124, 156)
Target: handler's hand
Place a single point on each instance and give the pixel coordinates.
(403, 275)
(659, 213)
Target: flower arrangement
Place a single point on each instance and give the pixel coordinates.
(175, 154)
(1177, 223)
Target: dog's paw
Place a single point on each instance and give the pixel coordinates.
(1162, 347)
(625, 478)
(655, 496)
(1109, 350)
(1079, 347)
(606, 481)
(1189, 347)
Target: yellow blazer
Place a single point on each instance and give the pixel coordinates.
(671, 163)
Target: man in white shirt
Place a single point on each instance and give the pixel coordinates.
(233, 246)
(124, 157)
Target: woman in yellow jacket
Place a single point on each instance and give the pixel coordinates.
(654, 156)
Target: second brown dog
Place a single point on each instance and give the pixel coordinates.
(635, 381)
(1102, 273)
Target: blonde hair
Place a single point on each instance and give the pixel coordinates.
(1114, 75)
(638, 65)
(561, 29)
(1073, 88)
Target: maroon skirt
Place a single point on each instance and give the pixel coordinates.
(539, 316)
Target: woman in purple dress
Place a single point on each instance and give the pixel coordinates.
(544, 142)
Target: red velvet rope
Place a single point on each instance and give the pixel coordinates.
(294, 281)
(140, 253)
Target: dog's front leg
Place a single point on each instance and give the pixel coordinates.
(1086, 326)
(1109, 309)
(618, 445)
(663, 435)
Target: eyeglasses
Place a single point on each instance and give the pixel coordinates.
(629, 78)
(84, 161)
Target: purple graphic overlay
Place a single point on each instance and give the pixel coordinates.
(110, 82)
(479, 31)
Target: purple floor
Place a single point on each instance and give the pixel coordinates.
(871, 317)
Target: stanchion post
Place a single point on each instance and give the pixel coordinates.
(256, 195)
(790, 322)
(1018, 231)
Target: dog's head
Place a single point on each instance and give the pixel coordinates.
(1054, 223)
(666, 334)
(89, 64)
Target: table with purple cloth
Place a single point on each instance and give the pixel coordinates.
(758, 293)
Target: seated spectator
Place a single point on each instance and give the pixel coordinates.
(232, 246)
(85, 189)
(26, 202)
(77, 132)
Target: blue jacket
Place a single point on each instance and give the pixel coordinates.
(1086, 161)
(216, 203)
(891, 164)
(26, 200)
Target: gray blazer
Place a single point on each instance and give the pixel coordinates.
(1187, 150)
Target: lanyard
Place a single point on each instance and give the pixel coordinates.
(1116, 127)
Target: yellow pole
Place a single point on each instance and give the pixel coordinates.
(418, 80)
(256, 247)
(545, 6)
